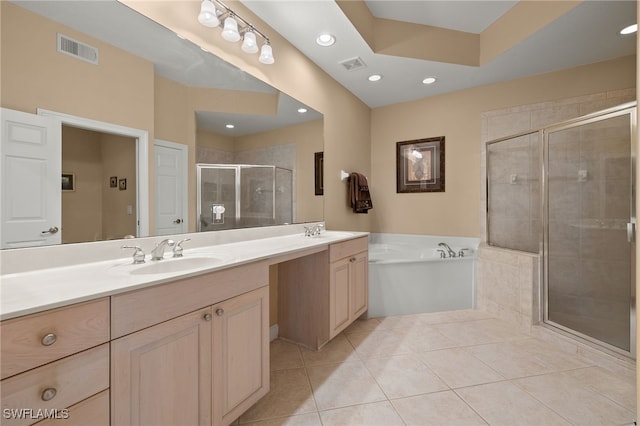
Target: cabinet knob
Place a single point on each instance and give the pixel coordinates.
(353, 259)
(207, 316)
(49, 339)
(48, 394)
(219, 312)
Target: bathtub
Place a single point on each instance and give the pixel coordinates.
(407, 274)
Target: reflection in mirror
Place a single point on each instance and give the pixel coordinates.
(148, 78)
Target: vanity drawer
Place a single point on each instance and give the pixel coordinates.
(54, 386)
(34, 340)
(90, 412)
(347, 248)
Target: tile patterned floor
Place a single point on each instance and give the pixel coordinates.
(448, 368)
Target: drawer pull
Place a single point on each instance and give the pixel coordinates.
(219, 312)
(207, 316)
(49, 339)
(48, 394)
(353, 259)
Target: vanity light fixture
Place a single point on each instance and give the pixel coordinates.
(429, 80)
(629, 30)
(375, 77)
(235, 28)
(325, 40)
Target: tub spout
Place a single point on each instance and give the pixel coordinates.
(449, 250)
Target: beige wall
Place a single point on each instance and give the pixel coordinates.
(457, 117)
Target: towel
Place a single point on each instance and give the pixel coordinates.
(359, 193)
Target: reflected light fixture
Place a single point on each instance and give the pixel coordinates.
(429, 80)
(629, 30)
(375, 77)
(235, 29)
(325, 40)
(302, 110)
(229, 126)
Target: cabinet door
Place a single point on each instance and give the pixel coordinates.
(359, 265)
(339, 296)
(240, 354)
(162, 375)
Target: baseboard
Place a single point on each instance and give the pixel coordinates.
(273, 332)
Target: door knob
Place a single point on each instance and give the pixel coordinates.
(177, 221)
(52, 230)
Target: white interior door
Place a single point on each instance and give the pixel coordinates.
(171, 195)
(31, 153)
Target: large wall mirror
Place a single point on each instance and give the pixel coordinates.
(122, 69)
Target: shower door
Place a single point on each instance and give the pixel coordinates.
(589, 241)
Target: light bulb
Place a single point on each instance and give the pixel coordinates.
(208, 16)
(230, 31)
(249, 43)
(266, 55)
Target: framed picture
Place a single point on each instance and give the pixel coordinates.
(68, 182)
(420, 165)
(318, 161)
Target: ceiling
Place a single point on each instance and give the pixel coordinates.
(587, 34)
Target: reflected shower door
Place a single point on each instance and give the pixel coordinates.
(589, 247)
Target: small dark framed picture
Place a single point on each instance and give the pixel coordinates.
(420, 165)
(113, 182)
(318, 161)
(122, 184)
(68, 182)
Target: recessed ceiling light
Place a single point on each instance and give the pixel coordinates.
(375, 77)
(325, 40)
(429, 80)
(229, 126)
(629, 30)
(302, 110)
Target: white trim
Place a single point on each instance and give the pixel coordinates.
(142, 157)
(185, 177)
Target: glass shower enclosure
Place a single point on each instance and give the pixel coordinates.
(242, 195)
(567, 193)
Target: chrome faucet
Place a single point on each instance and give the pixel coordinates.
(177, 247)
(158, 252)
(313, 231)
(449, 250)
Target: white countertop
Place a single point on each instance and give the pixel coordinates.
(30, 292)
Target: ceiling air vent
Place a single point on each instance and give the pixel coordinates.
(353, 64)
(77, 49)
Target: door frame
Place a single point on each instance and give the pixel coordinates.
(184, 149)
(142, 157)
(629, 109)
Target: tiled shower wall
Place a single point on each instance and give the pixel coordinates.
(508, 280)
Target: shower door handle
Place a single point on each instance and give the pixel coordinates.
(631, 232)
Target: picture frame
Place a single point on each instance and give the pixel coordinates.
(318, 161)
(68, 182)
(420, 165)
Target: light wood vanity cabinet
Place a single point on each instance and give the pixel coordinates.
(321, 294)
(348, 284)
(204, 367)
(55, 361)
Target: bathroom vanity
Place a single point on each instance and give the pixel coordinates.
(178, 341)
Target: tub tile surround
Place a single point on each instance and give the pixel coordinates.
(504, 376)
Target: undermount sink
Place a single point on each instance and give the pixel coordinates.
(176, 265)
